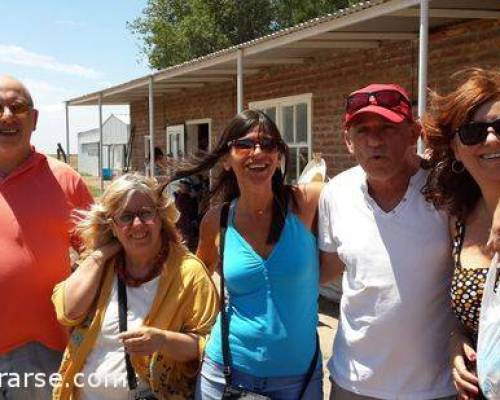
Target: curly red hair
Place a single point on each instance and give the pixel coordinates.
(455, 193)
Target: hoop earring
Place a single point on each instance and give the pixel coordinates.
(457, 167)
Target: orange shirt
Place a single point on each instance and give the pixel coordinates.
(36, 201)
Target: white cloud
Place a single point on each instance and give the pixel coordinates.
(18, 56)
(36, 85)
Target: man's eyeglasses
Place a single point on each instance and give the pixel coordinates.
(266, 144)
(474, 133)
(15, 108)
(384, 98)
(146, 215)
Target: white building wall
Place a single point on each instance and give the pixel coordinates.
(115, 138)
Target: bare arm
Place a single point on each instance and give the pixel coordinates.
(494, 239)
(308, 203)
(463, 359)
(208, 244)
(331, 267)
(80, 288)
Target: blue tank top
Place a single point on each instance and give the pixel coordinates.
(273, 302)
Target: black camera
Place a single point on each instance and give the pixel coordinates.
(231, 393)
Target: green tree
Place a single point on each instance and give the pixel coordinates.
(293, 12)
(174, 31)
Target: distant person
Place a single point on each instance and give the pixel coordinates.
(37, 197)
(160, 168)
(463, 134)
(392, 247)
(187, 204)
(61, 154)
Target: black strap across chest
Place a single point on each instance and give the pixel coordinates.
(122, 323)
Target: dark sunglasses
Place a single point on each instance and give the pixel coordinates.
(267, 145)
(474, 133)
(16, 108)
(146, 215)
(384, 98)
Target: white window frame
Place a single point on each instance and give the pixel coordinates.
(281, 102)
(147, 171)
(203, 121)
(175, 130)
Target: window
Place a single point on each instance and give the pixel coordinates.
(92, 149)
(292, 115)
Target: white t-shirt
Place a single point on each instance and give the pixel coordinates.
(104, 375)
(395, 315)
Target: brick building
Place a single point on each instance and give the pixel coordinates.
(301, 76)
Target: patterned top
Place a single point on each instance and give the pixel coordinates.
(467, 286)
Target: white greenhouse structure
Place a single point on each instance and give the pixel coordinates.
(116, 134)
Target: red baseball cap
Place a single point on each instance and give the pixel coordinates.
(396, 113)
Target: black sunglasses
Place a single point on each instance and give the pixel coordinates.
(474, 133)
(384, 98)
(266, 144)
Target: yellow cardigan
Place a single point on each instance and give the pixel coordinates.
(186, 301)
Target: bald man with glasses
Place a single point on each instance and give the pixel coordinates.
(37, 197)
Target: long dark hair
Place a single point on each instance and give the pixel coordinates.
(457, 193)
(226, 187)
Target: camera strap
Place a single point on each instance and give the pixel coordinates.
(122, 323)
(226, 353)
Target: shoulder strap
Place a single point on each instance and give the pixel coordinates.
(122, 323)
(310, 370)
(226, 354)
(458, 241)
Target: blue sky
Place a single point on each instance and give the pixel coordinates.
(66, 49)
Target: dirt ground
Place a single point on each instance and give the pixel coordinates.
(327, 327)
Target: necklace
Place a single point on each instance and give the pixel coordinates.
(157, 266)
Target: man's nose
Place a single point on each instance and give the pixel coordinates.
(374, 138)
(5, 112)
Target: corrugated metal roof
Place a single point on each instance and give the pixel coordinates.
(383, 16)
(252, 43)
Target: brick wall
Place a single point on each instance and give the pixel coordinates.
(329, 77)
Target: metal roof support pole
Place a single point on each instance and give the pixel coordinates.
(100, 163)
(422, 63)
(66, 106)
(239, 81)
(151, 129)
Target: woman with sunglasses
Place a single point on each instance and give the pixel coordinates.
(139, 304)
(463, 136)
(270, 265)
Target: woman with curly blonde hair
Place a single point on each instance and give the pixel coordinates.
(139, 304)
(462, 131)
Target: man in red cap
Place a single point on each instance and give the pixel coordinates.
(375, 225)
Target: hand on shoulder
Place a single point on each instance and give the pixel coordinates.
(309, 195)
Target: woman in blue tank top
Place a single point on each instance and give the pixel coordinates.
(270, 264)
